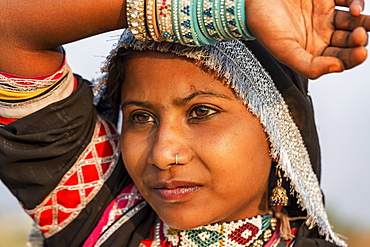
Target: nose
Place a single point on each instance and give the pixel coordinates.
(170, 147)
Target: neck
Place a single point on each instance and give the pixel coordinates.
(255, 231)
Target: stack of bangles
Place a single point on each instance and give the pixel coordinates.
(188, 22)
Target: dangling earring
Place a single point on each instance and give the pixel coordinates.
(278, 195)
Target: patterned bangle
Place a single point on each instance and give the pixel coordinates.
(197, 26)
(164, 20)
(151, 20)
(207, 16)
(241, 22)
(185, 23)
(230, 19)
(201, 18)
(223, 17)
(189, 22)
(176, 20)
(136, 20)
(218, 19)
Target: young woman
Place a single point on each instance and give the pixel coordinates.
(208, 133)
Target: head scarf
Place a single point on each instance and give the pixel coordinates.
(278, 97)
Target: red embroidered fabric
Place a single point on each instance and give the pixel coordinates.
(81, 183)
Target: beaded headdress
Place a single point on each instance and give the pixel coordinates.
(254, 84)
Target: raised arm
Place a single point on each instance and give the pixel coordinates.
(309, 36)
(32, 31)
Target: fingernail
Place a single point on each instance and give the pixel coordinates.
(360, 8)
(335, 69)
(356, 7)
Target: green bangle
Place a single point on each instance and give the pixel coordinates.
(217, 5)
(176, 21)
(223, 19)
(241, 22)
(185, 23)
(231, 20)
(207, 20)
(197, 26)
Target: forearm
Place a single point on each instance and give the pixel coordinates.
(31, 31)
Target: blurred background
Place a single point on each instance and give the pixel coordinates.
(342, 108)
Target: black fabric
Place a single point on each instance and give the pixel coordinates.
(37, 150)
(310, 238)
(108, 109)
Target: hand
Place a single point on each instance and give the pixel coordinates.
(311, 36)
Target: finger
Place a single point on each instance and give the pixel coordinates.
(306, 64)
(346, 39)
(323, 65)
(350, 57)
(345, 21)
(355, 6)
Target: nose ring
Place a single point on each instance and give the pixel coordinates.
(176, 159)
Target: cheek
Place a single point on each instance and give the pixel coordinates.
(236, 145)
(132, 153)
(241, 153)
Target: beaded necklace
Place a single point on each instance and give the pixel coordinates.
(255, 231)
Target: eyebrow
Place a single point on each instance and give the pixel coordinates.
(136, 103)
(180, 101)
(199, 93)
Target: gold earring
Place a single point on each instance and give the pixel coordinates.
(278, 194)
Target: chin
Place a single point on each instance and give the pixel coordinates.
(184, 222)
(182, 225)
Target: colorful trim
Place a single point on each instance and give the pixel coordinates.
(38, 92)
(81, 183)
(255, 231)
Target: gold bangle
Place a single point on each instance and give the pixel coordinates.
(136, 20)
(152, 21)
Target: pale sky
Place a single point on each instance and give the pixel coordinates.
(342, 107)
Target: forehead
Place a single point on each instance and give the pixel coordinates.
(157, 72)
(161, 62)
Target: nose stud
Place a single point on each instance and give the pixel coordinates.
(176, 159)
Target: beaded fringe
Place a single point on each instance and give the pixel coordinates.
(252, 83)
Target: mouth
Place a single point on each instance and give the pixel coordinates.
(176, 190)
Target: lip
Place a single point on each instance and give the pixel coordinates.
(176, 190)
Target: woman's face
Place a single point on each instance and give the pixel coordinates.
(172, 107)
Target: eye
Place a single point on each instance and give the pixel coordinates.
(141, 117)
(202, 111)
